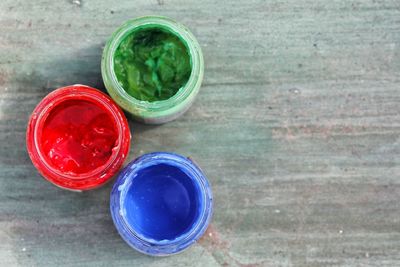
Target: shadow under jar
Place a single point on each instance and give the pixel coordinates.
(153, 68)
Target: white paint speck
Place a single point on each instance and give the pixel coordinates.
(296, 91)
(367, 255)
(210, 234)
(23, 249)
(76, 2)
(340, 231)
(277, 211)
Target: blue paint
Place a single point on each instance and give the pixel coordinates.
(161, 203)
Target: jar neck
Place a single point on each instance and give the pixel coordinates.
(164, 107)
(71, 180)
(149, 245)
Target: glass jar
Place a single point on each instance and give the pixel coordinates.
(158, 111)
(161, 203)
(77, 137)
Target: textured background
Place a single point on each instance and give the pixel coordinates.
(297, 126)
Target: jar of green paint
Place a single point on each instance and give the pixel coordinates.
(153, 67)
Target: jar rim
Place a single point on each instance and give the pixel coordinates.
(166, 24)
(167, 246)
(92, 178)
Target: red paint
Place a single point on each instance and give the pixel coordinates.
(77, 137)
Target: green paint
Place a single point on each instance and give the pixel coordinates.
(152, 64)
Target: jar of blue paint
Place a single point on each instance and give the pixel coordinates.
(161, 203)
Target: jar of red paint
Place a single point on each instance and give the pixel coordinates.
(77, 137)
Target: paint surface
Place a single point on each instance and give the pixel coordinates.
(78, 136)
(162, 202)
(152, 64)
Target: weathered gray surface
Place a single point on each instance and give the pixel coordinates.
(297, 126)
